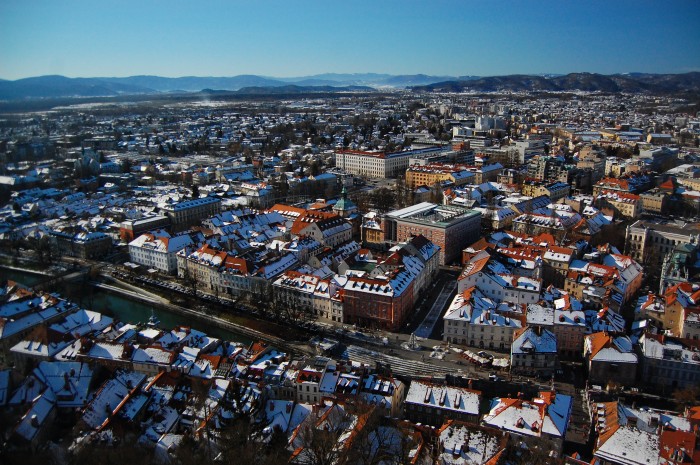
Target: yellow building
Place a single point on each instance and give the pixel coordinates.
(622, 204)
(555, 190)
(430, 174)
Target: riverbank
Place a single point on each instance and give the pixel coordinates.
(24, 270)
(208, 317)
(128, 291)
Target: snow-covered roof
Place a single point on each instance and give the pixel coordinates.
(444, 397)
(466, 444)
(547, 414)
(531, 340)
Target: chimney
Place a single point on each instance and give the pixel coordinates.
(272, 406)
(35, 421)
(289, 407)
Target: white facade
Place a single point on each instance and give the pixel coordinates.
(474, 320)
(496, 283)
(377, 164)
(158, 252)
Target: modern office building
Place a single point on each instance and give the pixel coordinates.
(449, 227)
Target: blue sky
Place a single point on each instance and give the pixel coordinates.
(89, 38)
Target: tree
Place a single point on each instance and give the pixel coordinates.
(95, 453)
(404, 195)
(126, 165)
(318, 440)
(190, 279)
(379, 441)
(43, 249)
(687, 397)
(436, 195)
(314, 169)
(362, 200)
(383, 199)
(243, 439)
(195, 191)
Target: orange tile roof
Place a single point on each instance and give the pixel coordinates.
(481, 244)
(612, 422)
(544, 237)
(214, 360)
(280, 207)
(309, 217)
(693, 413)
(599, 341)
(474, 267)
(679, 447)
(668, 184)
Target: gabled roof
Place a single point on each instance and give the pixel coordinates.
(450, 398)
(602, 347)
(549, 414)
(531, 340)
(686, 294)
(476, 265)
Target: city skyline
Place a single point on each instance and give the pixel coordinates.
(276, 39)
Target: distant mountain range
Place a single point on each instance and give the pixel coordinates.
(589, 82)
(288, 89)
(60, 86)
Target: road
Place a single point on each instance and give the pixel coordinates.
(425, 329)
(400, 363)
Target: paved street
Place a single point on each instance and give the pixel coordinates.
(433, 317)
(404, 364)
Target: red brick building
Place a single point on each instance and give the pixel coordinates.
(449, 227)
(379, 303)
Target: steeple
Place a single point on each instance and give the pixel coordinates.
(344, 207)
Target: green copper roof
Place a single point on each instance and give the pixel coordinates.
(344, 204)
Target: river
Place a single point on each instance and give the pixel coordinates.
(126, 310)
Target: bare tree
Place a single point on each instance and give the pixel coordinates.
(316, 440)
(379, 441)
(189, 278)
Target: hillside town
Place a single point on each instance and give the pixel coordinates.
(417, 278)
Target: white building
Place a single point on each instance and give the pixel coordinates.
(158, 253)
(534, 350)
(545, 417)
(377, 164)
(475, 320)
(495, 281)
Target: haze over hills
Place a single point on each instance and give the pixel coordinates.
(61, 86)
(289, 89)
